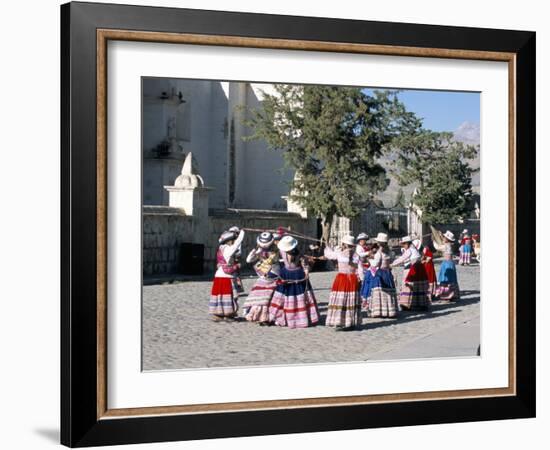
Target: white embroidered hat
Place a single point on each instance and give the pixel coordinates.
(381, 237)
(449, 235)
(362, 236)
(227, 236)
(265, 239)
(287, 243)
(405, 239)
(348, 240)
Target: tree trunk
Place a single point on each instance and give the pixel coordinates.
(326, 224)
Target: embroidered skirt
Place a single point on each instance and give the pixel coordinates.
(379, 294)
(222, 302)
(432, 290)
(414, 295)
(256, 306)
(382, 302)
(448, 291)
(293, 305)
(344, 306)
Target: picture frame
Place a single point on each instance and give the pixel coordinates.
(86, 28)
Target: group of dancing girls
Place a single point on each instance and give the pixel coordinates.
(283, 295)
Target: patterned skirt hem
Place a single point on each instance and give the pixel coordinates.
(448, 292)
(294, 311)
(222, 302)
(414, 296)
(383, 303)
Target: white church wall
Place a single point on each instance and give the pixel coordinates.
(265, 179)
(199, 127)
(217, 129)
(156, 171)
(235, 149)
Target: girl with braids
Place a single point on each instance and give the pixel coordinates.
(293, 304)
(223, 303)
(344, 305)
(265, 258)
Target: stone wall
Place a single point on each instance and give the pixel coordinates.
(221, 220)
(166, 228)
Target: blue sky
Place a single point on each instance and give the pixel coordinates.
(442, 110)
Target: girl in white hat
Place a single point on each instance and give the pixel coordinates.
(293, 303)
(344, 305)
(265, 258)
(363, 250)
(447, 288)
(378, 290)
(223, 303)
(414, 291)
(466, 249)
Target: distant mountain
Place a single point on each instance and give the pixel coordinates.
(467, 132)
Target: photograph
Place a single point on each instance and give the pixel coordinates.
(271, 224)
(287, 224)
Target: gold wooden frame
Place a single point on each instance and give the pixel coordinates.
(103, 36)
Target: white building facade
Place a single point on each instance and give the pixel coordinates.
(206, 118)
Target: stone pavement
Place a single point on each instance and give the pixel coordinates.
(459, 340)
(178, 333)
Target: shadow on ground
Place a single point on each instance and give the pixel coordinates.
(438, 309)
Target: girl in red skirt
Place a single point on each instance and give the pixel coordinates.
(427, 260)
(414, 291)
(344, 305)
(223, 304)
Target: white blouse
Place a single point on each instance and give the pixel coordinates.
(342, 256)
(228, 251)
(406, 258)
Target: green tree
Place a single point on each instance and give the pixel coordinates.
(438, 166)
(332, 137)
